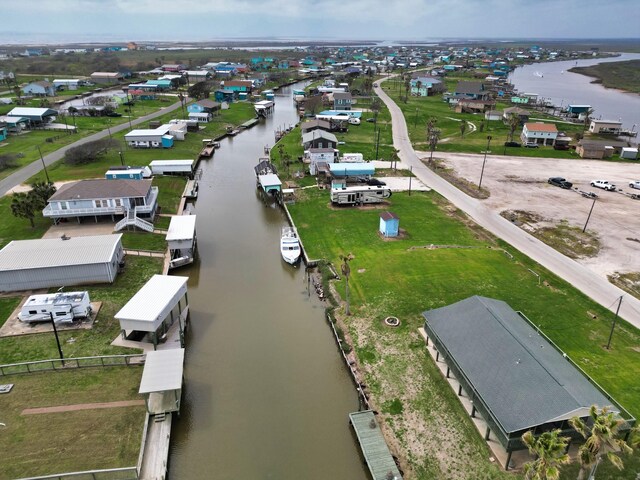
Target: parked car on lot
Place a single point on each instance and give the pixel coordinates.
(604, 184)
(371, 120)
(560, 182)
(531, 145)
(512, 144)
(375, 182)
(635, 184)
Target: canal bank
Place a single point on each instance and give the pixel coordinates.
(267, 394)
(554, 82)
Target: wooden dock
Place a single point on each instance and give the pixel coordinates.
(156, 448)
(249, 123)
(374, 448)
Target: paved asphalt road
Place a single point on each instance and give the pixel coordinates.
(22, 175)
(592, 285)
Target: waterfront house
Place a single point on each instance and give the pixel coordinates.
(14, 124)
(540, 133)
(39, 89)
(4, 131)
(523, 114)
(147, 138)
(195, 76)
(238, 85)
(161, 85)
(471, 90)
(599, 149)
(605, 127)
(389, 224)
(342, 101)
(203, 106)
(314, 156)
(493, 115)
(68, 83)
(60, 261)
(311, 125)
(466, 105)
(225, 96)
(106, 78)
(173, 67)
(319, 139)
(99, 198)
(36, 116)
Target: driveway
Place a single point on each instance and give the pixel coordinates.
(592, 285)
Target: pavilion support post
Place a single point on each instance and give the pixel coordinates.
(124, 334)
(437, 356)
(448, 371)
(506, 465)
(427, 341)
(155, 340)
(487, 434)
(473, 412)
(460, 390)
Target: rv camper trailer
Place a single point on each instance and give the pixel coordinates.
(359, 195)
(64, 307)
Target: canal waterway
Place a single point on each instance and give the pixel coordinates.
(267, 394)
(553, 81)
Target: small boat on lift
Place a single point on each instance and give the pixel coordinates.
(289, 245)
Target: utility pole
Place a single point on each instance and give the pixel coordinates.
(121, 158)
(411, 174)
(589, 216)
(55, 332)
(613, 325)
(377, 143)
(484, 161)
(43, 164)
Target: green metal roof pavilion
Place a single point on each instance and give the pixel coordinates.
(517, 379)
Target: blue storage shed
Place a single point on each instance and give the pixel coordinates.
(167, 141)
(351, 169)
(389, 224)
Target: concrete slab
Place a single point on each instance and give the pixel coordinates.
(401, 184)
(14, 327)
(71, 229)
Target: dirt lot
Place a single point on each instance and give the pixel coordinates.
(519, 183)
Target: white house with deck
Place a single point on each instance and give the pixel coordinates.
(540, 133)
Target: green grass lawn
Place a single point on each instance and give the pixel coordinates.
(170, 190)
(70, 441)
(94, 341)
(391, 278)
(144, 241)
(13, 228)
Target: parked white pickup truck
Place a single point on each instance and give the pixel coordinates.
(604, 184)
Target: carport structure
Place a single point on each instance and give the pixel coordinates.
(161, 302)
(515, 377)
(161, 382)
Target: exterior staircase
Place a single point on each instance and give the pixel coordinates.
(132, 219)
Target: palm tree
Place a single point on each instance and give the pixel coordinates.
(431, 124)
(418, 87)
(587, 118)
(600, 431)
(550, 451)
(23, 206)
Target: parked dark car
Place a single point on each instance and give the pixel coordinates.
(371, 120)
(560, 182)
(375, 182)
(512, 144)
(113, 114)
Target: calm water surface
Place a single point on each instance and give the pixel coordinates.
(267, 394)
(553, 81)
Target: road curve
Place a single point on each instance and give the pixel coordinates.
(28, 171)
(595, 287)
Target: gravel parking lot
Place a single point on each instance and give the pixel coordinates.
(520, 183)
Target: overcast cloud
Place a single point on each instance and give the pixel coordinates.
(201, 20)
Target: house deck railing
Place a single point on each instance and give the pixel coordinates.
(86, 211)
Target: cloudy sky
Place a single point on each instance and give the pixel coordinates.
(202, 20)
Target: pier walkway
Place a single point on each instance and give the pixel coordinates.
(374, 448)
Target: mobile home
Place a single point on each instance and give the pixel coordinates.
(359, 195)
(61, 307)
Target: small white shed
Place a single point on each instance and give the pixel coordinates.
(172, 167)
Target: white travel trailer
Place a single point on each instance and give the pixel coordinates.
(359, 195)
(64, 307)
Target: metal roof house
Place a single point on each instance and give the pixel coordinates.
(101, 197)
(158, 305)
(172, 167)
(146, 138)
(56, 262)
(35, 115)
(516, 378)
(319, 139)
(40, 89)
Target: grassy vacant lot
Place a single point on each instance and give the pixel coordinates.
(622, 75)
(418, 110)
(144, 241)
(95, 341)
(70, 441)
(406, 277)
